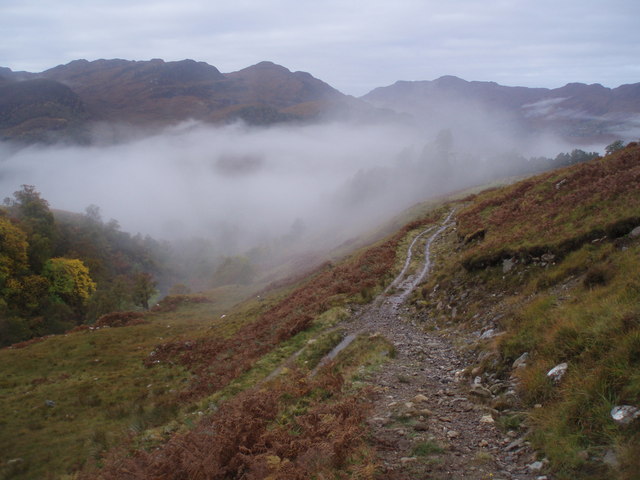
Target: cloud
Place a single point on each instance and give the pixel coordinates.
(353, 47)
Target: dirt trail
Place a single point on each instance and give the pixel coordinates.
(425, 422)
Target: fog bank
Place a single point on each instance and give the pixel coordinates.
(240, 186)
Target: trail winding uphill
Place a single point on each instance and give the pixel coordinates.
(426, 421)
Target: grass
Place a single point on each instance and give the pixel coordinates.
(598, 199)
(100, 387)
(146, 386)
(426, 448)
(582, 307)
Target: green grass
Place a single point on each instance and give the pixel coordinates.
(100, 387)
(426, 448)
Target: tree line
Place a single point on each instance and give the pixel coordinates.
(59, 271)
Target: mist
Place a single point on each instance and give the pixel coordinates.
(241, 186)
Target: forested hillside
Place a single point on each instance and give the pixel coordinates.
(59, 270)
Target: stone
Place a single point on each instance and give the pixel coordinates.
(610, 458)
(483, 443)
(421, 427)
(488, 334)
(406, 460)
(624, 414)
(535, 467)
(548, 257)
(557, 372)
(50, 403)
(420, 398)
(635, 232)
(480, 391)
(515, 444)
(521, 361)
(507, 264)
(453, 434)
(486, 419)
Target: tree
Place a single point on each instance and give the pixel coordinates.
(143, 288)
(69, 280)
(13, 250)
(614, 147)
(36, 218)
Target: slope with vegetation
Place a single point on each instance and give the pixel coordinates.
(549, 267)
(60, 270)
(209, 386)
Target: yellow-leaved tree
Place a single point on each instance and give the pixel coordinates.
(13, 251)
(70, 281)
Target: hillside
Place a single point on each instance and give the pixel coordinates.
(152, 94)
(580, 113)
(157, 93)
(426, 354)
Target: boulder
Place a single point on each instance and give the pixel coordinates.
(521, 361)
(557, 372)
(625, 414)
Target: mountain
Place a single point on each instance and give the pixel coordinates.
(38, 109)
(578, 112)
(157, 93)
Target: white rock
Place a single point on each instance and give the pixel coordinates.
(486, 419)
(635, 232)
(557, 372)
(488, 334)
(536, 466)
(420, 398)
(625, 414)
(521, 361)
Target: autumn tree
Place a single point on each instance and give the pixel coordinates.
(143, 288)
(13, 251)
(36, 218)
(69, 280)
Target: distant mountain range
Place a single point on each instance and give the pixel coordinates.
(66, 100)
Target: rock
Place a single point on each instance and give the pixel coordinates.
(486, 419)
(483, 443)
(409, 405)
(515, 444)
(535, 467)
(521, 361)
(561, 183)
(480, 391)
(406, 460)
(488, 334)
(610, 458)
(548, 257)
(557, 372)
(635, 232)
(508, 264)
(421, 427)
(420, 398)
(425, 412)
(624, 414)
(452, 434)
(50, 403)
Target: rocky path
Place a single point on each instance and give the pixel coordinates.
(427, 422)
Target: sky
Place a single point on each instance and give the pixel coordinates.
(355, 46)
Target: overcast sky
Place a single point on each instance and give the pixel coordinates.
(353, 45)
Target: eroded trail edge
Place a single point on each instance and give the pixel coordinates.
(426, 423)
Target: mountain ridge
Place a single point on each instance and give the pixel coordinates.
(159, 93)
